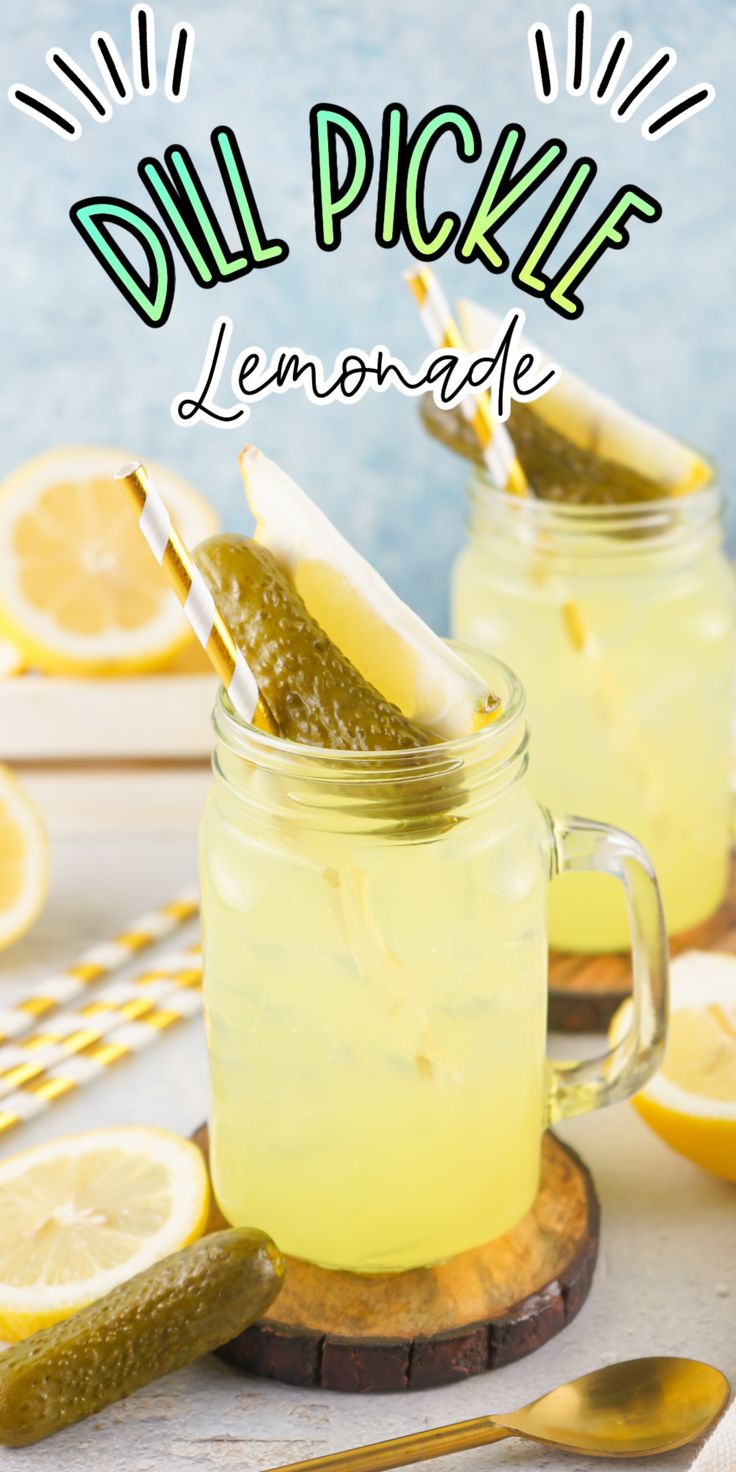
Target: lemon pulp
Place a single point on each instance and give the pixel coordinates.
(701, 1051)
(80, 1215)
(78, 592)
(691, 1102)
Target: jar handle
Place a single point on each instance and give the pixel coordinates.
(575, 1088)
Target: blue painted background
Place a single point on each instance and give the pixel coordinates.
(658, 327)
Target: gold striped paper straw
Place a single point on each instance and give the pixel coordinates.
(74, 1032)
(195, 597)
(508, 472)
(494, 439)
(443, 332)
(79, 1069)
(97, 963)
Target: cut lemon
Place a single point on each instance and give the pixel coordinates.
(691, 1102)
(386, 641)
(78, 1216)
(23, 859)
(78, 591)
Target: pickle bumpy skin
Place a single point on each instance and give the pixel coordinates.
(558, 470)
(159, 1321)
(316, 695)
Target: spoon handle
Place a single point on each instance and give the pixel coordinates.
(401, 1451)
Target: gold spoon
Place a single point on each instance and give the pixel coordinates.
(634, 1409)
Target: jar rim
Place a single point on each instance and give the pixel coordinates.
(667, 524)
(702, 501)
(245, 739)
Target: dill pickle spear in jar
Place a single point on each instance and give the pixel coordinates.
(559, 470)
(316, 695)
(556, 468)
(162, 1319)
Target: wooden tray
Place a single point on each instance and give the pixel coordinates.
(52, 718)
(584, 991)
(434, 1326)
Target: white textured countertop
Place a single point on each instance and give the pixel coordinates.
(665, 1282)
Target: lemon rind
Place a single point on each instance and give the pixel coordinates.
(41, 1302)
(696, 978)
(36, 635)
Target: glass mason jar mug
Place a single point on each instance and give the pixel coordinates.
(620, 622)
(375, 954)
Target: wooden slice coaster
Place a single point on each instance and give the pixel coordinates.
(584, 991)
(433, 1326)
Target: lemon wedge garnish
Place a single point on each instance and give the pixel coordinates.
(80, 1215)
(78, 588)
(691, 1101)
(23, 859)
(386, 641)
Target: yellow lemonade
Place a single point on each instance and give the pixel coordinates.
(375, 965)
(620, 622)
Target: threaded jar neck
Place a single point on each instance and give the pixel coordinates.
(417, 793)
(670, 527)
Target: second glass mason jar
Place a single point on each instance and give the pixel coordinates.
(375, 960)
(620, 622)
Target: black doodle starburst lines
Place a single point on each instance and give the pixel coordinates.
(608, 85)
(113, 73)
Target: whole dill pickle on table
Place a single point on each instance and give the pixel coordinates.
(177, 1310)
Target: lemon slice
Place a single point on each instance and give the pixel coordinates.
(386, 641)
(78, 590)
(23, 859)
(691, 1101)
(80, 1215)
(595, 422)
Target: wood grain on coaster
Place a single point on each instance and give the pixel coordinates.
(433, 1326)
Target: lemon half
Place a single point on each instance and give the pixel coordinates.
(691, 1101)
(80, 1215)
(79, 591)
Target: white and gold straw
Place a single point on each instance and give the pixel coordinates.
(118, 1002)
(81, 1063)
(493, 438)
(96, 964)
(195, 597)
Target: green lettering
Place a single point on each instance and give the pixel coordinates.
(609, 230)
(501, 193)
(151, 299)
(335, 200)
